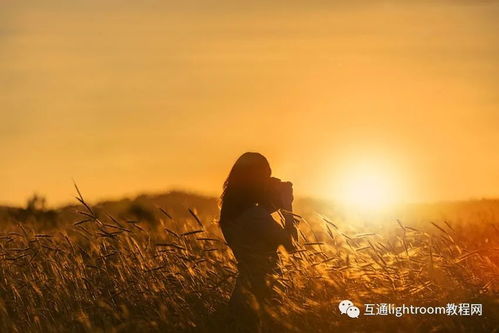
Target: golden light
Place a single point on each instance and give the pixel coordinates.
(369, 186)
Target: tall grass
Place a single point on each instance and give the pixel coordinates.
(108, 273)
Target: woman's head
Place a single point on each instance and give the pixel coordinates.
(245, 185)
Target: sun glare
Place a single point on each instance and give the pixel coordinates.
(369, 187)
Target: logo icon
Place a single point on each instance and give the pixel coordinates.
(347, 307)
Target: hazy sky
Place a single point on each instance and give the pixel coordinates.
(129, 96)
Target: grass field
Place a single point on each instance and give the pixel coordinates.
(160, 263)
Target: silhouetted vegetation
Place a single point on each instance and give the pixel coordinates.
(158, 262)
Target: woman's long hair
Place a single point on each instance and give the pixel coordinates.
(245, 185)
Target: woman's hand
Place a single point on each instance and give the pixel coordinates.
(280, 194)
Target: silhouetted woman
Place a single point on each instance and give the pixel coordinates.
(249, 198)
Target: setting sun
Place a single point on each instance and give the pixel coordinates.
(369, 186)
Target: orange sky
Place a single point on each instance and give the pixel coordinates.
(128, 97)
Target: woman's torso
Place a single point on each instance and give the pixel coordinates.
(250, 236)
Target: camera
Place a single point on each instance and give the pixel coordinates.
(279, 193)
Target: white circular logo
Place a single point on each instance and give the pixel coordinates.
(347, 307)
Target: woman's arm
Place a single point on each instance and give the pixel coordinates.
(290, 229)
(289, 234)
(287, 212)
(275, 233)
